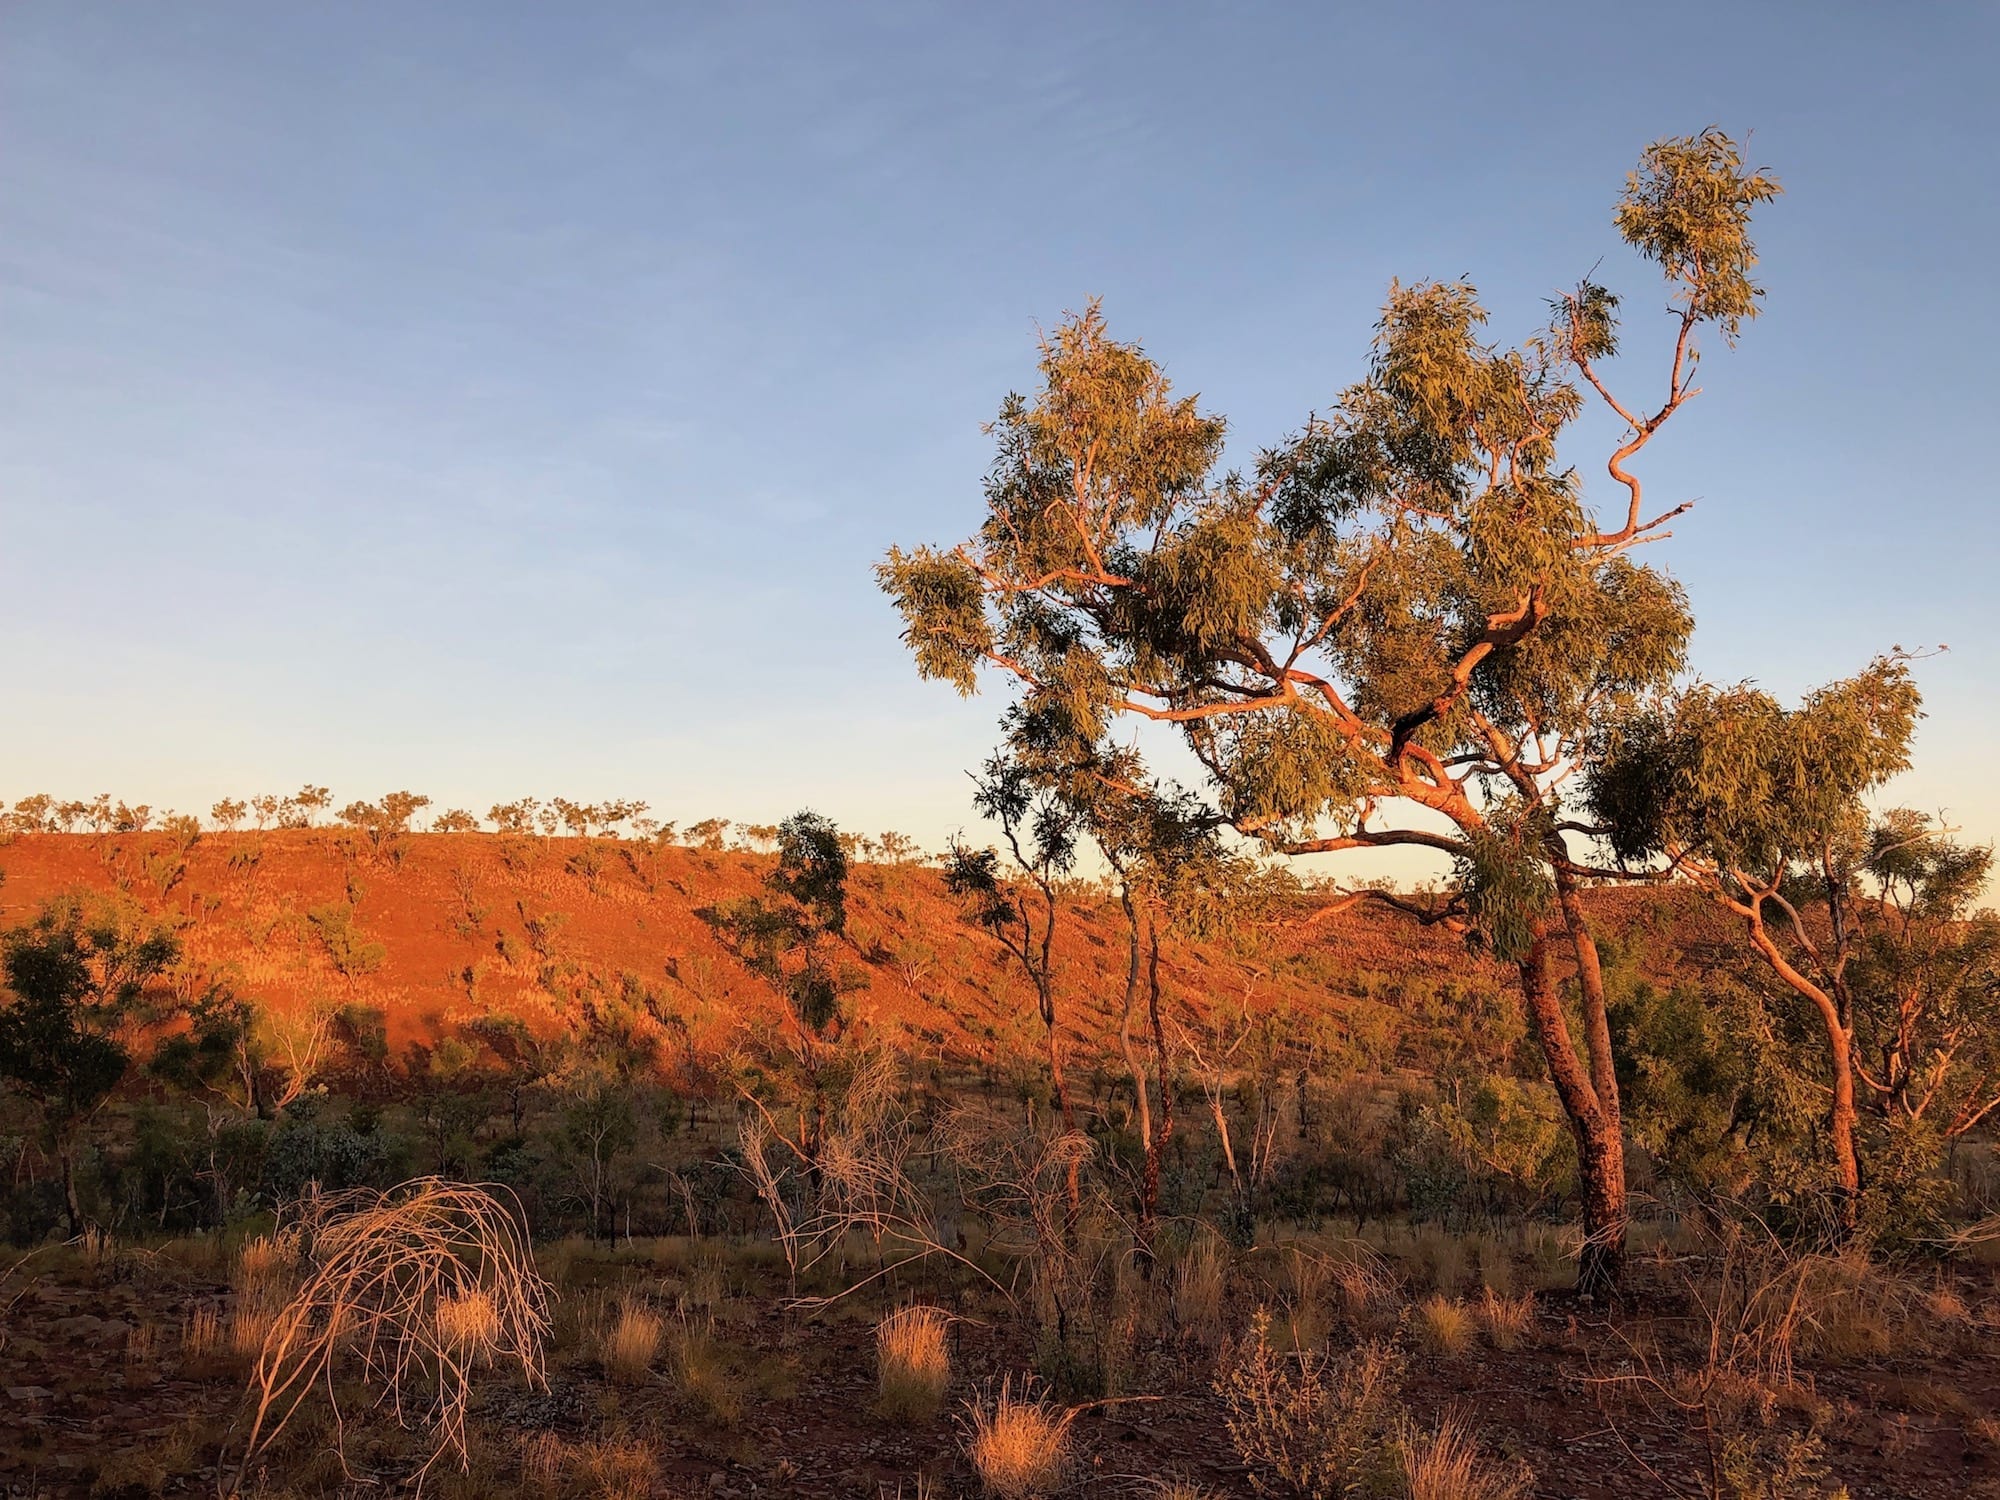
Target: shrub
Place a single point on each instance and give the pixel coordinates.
(913, 1363)
(1325, 1428)
(1444, 1325)
(1020, 1447)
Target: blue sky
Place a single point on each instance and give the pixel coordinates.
(491, 399)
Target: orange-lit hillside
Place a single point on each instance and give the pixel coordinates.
(474, 924)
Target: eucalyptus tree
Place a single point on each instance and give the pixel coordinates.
(1402, 627)
(1868, 922)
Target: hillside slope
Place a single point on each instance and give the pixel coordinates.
(440, 928)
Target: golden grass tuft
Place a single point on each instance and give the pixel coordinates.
(250, 1322)
(1019, 1446)
(1444, 1325)
(631, 1344)
(1506, 1320)
(202, 1334)
(617, 1469)
(912, 1363)
(1445, 1465)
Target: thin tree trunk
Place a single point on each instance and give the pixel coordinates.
(1073, 1187)
(1597, 1038)
(1840, 1062)
(72, 1204)
(1157, 1149)
(1599, 1149)
(1149, 1184)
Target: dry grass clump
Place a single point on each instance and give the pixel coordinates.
(1201, 1286)
(703, 1373)
(1309, 1281)
(912, 1362)
(629, 1347)
(609, 1468)
(415, 1290)
(1506, 1320)
(1445, 1465)
(1551, 1257)
(1444, 1325)
(1369, 1293)
(142, 1342)
(1495, 1263)
(202, 1334)
(1442, 1258)
(267, 1259)
(1019, 1446)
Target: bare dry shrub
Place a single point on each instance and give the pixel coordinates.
(1321, 1426)
(629, 1346)
(1445, 1465)
(1506, 1320)
(414, 1290)
(1765, 1304)
(1019, 1446)
(913, 1363)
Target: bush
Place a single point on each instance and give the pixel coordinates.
(1324, 1428)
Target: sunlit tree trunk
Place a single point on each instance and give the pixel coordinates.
(1600, 1149)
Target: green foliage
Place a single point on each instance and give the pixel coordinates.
(1687, 207)
(1715, 1091)
(347, 948)
(78, 974)
(1730, 775)
(789, 938)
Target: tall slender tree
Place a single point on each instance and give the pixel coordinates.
(1402, 627)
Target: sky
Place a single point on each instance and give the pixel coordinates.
(491, 399)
